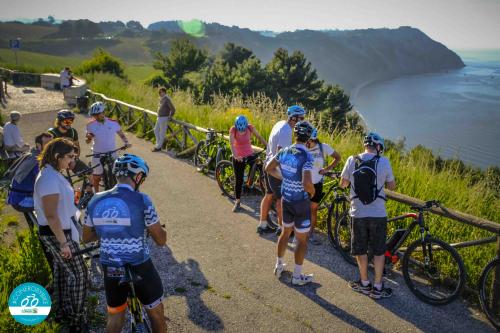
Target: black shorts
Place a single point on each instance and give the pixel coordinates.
(297, 214)
(368, 233)
(318, 192)
(149, 289)
(273, 186)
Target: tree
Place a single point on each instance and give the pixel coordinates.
(293, 79)
(335, 105)
(135, 26)
(234, 55)
(51, 19)
(103, 62)
(78, 29)
(183, 57)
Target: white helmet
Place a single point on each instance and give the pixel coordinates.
(96, 108)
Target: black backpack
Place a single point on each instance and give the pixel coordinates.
(365, 180)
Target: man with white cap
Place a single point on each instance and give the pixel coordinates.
(12, 139)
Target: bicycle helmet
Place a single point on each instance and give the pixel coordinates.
(314, 134)
(241, 123)
(130, 165)
(303, 130)
(65, 114)
(295, 110)
(96, 108)
(373, 139)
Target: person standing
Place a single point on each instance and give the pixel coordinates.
(240, 136)
(65, 78)
(124, 243)
(56, 213)
(166, 111)
(296, 165)
(102, 131)
(12, 139)
(319, 151)
(280, 137)
(367, 174)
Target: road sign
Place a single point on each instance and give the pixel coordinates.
(15, 44)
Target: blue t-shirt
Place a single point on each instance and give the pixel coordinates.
(120, 217)
(293, 161)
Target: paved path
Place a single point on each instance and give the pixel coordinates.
(217, 271)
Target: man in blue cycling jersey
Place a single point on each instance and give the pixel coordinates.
(295, 164)
(120, 218)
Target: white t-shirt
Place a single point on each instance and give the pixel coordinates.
(104, 135)
(384, 175)
(64, 78)
(12, 135)
(281, 135)
(50, 181)
(319, 160)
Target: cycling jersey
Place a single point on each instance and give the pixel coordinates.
(71, 133)
(293, 161)
(104, 134)
(120, 217)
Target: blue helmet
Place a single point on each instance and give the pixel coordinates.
(130, 165)
(373, 139)
(295, 110)
(314, 134)
(241, 123)
(303, 130)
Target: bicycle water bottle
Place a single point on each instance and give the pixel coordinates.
(78, 195)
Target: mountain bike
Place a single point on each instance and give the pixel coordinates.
(337, 201)
(489, 292)
(84, 192)
(107, 159)
(211, 151)
(432, 269)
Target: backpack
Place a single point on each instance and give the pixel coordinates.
(365, 180)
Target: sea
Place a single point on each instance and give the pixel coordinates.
(456, 113)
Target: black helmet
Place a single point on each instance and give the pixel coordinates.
(65, 114)
(303, 130)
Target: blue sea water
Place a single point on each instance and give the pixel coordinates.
(455, 113)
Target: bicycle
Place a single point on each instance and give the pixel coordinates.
(211, 151)
(107, 159)
(489, 292)
(432, 269)
(30, 304)
(81, 201)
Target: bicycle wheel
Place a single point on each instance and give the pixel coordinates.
(434, 271)
(258, 180)
(224, 173)
(111, 177)
(489, 292)
(272, 216)
(342, 231)
(201, 155)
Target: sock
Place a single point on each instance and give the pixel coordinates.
(365, 283)
(263, 224)
(378, 286)
(297, 270)
(279, 261)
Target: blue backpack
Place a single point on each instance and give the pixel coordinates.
(20, 195)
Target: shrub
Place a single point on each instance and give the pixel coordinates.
(103, 62)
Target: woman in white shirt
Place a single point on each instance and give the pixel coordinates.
(54, 205)
(319, 151)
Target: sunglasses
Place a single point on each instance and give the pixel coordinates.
(67, 121)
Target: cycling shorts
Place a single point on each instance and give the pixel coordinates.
(368, 235)
(149, 290)
(297, 214)
(273, 185)
(318, 192)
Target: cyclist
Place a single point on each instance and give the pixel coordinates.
(119, 218)
(240, 136)
(296, 166)
(280, 137)
(319, 151)
(102, 131)
(369, 221)
(53, 199)
(63, 129)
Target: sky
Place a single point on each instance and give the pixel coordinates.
(459, 24)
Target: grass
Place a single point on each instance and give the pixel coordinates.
(37, 62)
(419, 174)
(136, 73)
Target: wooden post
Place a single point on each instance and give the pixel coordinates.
(495, 290)
(184, 138)
(129, 115)
(144, 123)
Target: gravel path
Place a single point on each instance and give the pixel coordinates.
(217, 272)
(31, 100)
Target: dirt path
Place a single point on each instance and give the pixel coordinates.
(218, 273)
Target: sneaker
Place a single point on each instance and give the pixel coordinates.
(358, 286)
(264, 229)
(278, 269)
(382, 293)
(302, 279)
(236, 207)
(155, 150)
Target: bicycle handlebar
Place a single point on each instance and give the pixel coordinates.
(106, 153)
(85, 171)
